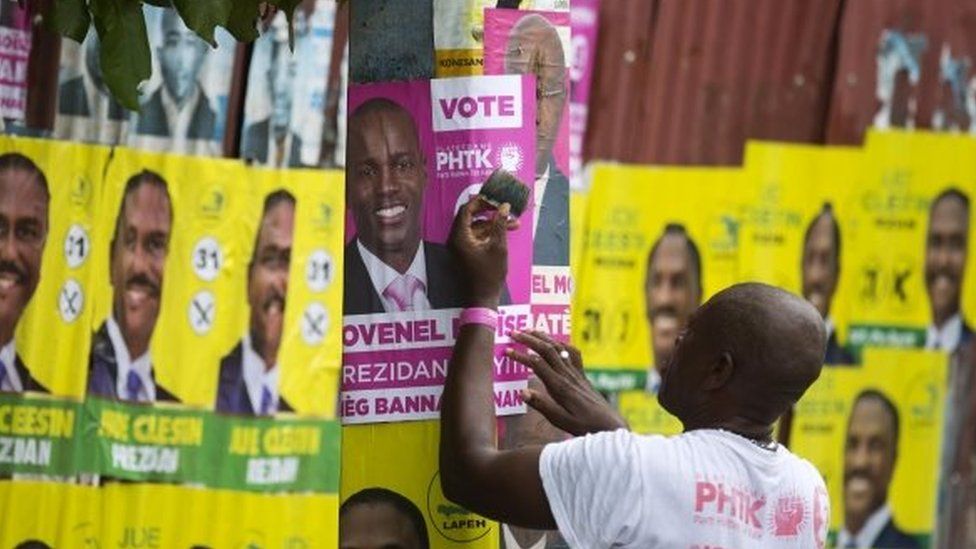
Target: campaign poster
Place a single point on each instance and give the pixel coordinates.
(46, 514)
(167, 257)
(875, 434)
(86, 110)
(584, 20)
(538, 43)
(15, 49)
(796, 220)
(307, 284)
(459, 32)
(284, 110)
(393, 467)
(48, 206)
(910, 252)
(402, 291)
(654, 252)
(183, 107)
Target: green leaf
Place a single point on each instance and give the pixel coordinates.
(202, 16)
(71, 19)
(243, 20)
(125, 57)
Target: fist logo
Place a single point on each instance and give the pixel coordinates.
(788, 516)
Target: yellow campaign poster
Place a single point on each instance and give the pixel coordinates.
(875, 432)
(620, 293)
(909, 252)
(48, 198)
(312, 285)
(645, 415)
(795, 215)
(145, 515)
(392, 468)
(169, 258)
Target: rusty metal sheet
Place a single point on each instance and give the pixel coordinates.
(723, 72)
(904, 63)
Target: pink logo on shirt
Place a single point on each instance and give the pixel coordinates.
(821, 514)
(717, 498)
(788, 516)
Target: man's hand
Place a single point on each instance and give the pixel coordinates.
(572, 404)
(480, 245)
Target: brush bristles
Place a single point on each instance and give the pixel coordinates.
(503, 187)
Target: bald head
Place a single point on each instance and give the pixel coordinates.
(748, 354)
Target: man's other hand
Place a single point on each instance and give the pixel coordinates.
(571, 403)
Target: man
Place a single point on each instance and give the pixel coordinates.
(271, 141)
(869, 463)
(120, 365)
(534, 48)
(946, 247)
(388, 267)
(86, 94)
(24, 198)
(249, 374)
(743, 360)
(179, 108)
(377, 518)
(820, 273)
(672, 291)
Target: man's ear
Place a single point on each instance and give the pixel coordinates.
(720, 372)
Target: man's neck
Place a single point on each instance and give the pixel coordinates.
(269, 355)
(398, 260)
(6, 336)
(940, 321)
(854, 523)
(136, 347)
(752, 430)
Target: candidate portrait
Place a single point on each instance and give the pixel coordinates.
(534, 48)
(249, 374)
(870, 456)
(378, 518)
(388, 266)
(179, 107)
(120, 365)
(946, 251)
(24, 198)
(672, 292)
(820, 272)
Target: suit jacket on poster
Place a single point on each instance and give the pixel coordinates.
(73, 101)
(153, 121)
(26, 380)
(256, 144)
(551, 245)
(893, 538)
(835, 353)
(443, 286)
(232, 397)
(103, 370)
(965, 337)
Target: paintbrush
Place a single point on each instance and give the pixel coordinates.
(503, 187)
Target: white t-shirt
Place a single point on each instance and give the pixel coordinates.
(702, 489)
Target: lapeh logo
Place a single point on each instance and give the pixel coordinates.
(450, 520)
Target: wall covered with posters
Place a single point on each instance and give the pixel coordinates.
(170, 334)
(877, 238)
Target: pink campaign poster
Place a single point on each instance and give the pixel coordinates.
(15, 48)
(416, 151)
(584, 27)
(538, 43)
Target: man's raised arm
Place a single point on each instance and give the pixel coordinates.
(501, 485)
